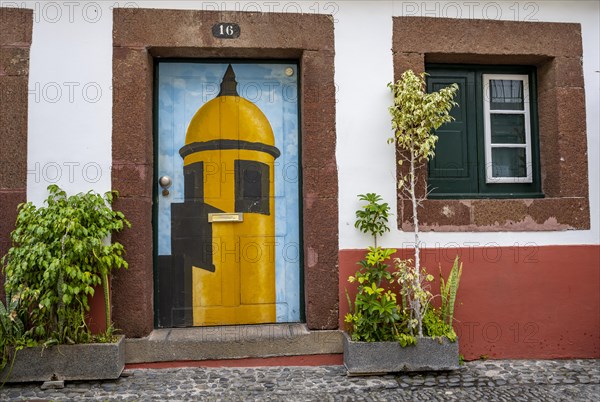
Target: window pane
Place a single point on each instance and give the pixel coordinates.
(506, 95)
(251, 187)
(508, 128)
(193, 175)
(509, 162)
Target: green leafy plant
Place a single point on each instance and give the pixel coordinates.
(448, 289)
(375, 315)
(395, 303)
(383, 308)
(415, 115)
(11, 325)
(11, 331)
(60, 252)
(415, 299)
(372, 218)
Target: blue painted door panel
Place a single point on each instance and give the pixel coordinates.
(183, 89)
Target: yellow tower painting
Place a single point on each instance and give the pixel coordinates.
(230, 144)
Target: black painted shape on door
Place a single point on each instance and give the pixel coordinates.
(174, 292)
(252, 187)
(191, 246)
(191, 233)
(193, 186)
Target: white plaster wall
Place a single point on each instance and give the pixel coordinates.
(367, 162)
(70, 99)
(70, 131)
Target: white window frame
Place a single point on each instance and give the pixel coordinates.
(487, 112)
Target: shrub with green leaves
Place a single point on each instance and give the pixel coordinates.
(372, 218)
(384, 305)
(60, 252)
(378, 313)
(11, 330)
(375, 315)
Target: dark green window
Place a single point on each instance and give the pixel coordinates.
(491, 148)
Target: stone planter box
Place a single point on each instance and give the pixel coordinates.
(90, 361)
(387, 357)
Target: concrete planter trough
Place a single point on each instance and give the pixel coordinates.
(90, 361)
(388, 357)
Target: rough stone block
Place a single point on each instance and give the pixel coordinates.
(571, 111)
(92, 361)
(561, 213)
(17, 25)
(446, 213)
(430, 35)
(563, 72)
(192, 28)
(320, 181)
(388, 357)
(132, 180)
(132, 108)
(408, 61)
(53, 385)
(498, 212)
(133, 288)
(232, 342)
(14, 61)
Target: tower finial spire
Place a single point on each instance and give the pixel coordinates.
(229, 84)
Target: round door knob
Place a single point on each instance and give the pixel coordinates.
(165, 181)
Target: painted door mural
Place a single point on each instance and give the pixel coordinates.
(227, 206)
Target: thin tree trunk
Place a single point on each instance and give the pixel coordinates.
(417, 280)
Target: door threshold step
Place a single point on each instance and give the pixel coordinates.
(231, 342)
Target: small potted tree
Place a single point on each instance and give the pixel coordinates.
(60, 254)
(393, 324)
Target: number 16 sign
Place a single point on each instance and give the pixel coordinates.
(226, 30)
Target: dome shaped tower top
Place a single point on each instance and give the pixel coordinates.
(230, 117)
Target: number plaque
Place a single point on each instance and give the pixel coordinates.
(226, 30)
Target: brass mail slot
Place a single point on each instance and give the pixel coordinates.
(225, 217)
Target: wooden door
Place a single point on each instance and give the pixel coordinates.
(227, 203)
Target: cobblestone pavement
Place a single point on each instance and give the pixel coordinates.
(500, 380)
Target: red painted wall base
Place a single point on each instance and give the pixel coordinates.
(96, 320)
(515, 302)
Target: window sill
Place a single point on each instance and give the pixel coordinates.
(498, 215)
(502, 196)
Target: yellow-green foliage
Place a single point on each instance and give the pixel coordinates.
(416, 113)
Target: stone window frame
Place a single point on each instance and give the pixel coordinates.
(15, 42)
(140, 37)
(556, 52)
